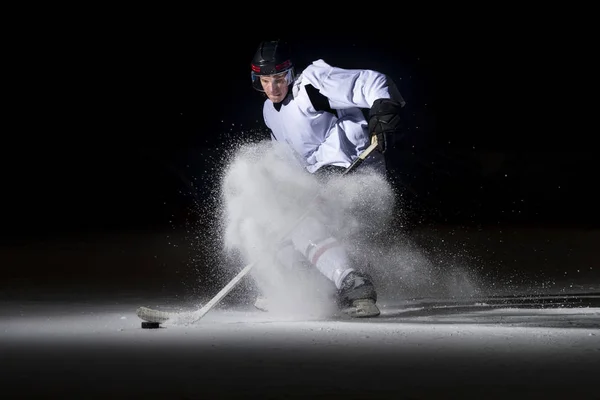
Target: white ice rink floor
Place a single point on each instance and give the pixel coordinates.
(545, 347)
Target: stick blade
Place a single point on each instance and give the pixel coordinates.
(150, 315)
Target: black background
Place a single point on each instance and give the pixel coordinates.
(113, 130)
(117, 135)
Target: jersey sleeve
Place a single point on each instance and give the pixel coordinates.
(347, 88)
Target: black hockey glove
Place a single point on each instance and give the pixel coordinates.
(384, 121)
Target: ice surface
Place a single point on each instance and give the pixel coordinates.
(420, 348)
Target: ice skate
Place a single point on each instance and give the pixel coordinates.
(357, 296)
(362, 309)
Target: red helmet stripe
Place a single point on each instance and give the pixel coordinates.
(279, 67)
(283, 65)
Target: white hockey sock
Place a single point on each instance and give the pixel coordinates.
(331, 259)
(312, 239)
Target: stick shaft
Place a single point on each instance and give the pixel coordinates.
(362, 157)
(222, 293)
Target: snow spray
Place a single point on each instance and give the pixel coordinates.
(264, 191)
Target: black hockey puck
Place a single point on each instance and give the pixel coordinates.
(150, 325)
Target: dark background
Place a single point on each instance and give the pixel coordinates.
(109, 133)
(113, 128)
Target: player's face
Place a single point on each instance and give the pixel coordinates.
(275, 86)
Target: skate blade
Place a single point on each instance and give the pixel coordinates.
(362, 309)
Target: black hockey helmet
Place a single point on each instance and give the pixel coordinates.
(272, 57)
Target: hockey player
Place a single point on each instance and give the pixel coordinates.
(319, 113)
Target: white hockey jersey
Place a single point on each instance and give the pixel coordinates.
(322, 120)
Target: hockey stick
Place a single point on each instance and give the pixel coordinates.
(150, 315)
